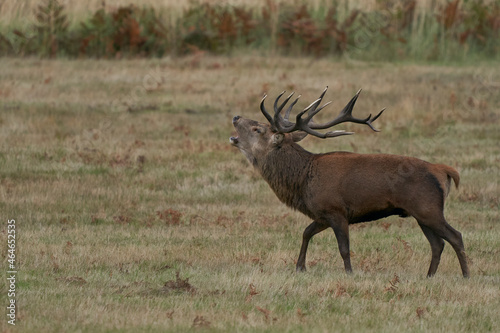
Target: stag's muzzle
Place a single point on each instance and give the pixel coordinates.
(234, 139)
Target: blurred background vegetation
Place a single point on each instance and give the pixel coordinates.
(388, 30)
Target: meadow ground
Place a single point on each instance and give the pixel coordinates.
(134, 213)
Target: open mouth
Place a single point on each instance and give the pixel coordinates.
(234, 140)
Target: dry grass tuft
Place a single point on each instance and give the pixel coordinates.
(179, 285)
(393, 284)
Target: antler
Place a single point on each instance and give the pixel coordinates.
(283, 125)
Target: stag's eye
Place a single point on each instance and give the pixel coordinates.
(257, 130)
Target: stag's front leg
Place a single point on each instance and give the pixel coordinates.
(341, 228)
(310, 231)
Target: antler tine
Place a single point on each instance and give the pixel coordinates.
(265, 113)
(325, 135)
(278, 119)
(346, 116)
(284, 102)
(283, 125)
(287, 113)
(378, 115)
(323, 93)
(369, 121)
(276, 108)
(313, 108)
(315, 111)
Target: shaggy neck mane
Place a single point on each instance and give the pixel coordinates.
(286, 170)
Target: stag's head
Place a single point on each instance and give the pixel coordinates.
(256, 139)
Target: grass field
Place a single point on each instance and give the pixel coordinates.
(134, 213)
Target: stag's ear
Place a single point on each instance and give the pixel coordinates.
(277, 138)
(297, 136)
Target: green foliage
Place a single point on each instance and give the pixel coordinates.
(52, 28)
(111, 34)
(393, 30)
(216, 28)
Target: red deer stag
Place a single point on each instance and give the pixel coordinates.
(341, 188)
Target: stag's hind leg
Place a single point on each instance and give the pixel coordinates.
(311, 230)
(442, 229)
(437, 246)
(454, 237)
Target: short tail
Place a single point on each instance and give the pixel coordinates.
(451, 173)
